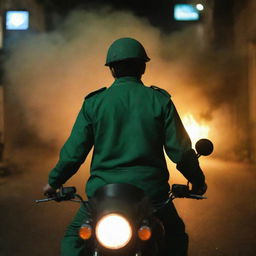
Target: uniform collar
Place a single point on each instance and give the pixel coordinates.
(125, 79)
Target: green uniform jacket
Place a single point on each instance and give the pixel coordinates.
(128, 125)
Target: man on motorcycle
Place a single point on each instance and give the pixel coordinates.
(129, 124)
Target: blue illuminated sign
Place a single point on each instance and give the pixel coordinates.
(186, 12)
(17, 20)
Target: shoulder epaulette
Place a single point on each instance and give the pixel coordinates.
(160, 90)
(95, 92)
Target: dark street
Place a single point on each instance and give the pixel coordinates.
(222, 225)
(55, 55)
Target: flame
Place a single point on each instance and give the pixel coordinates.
(195, 129)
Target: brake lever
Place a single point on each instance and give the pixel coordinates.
(195, 196)
(45, 200)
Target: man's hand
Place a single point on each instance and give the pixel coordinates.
(48, 190)
(199, 190)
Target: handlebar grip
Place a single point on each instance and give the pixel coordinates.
(182, 191)
(179, 190)
(68, 190)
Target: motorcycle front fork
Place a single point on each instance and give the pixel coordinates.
(96, 253)
(138, 253)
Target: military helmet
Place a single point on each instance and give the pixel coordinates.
(124, 49)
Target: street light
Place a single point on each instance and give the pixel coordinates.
(17, 20)
(16, 23)
(186, 12)
(200, 7)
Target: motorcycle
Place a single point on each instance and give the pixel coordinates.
(121, 217)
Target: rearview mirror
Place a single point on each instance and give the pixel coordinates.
(204, 147)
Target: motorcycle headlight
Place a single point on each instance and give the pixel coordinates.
(113, 231)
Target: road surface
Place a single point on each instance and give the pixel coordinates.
(222, 225)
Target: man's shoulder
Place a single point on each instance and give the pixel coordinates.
(160, 90)
(90, 95)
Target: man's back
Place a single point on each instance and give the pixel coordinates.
(128, 127)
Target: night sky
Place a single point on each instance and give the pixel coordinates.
(159, 13)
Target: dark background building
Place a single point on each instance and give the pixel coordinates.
(225, 26)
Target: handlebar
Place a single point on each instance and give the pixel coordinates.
(64, 194)
(178, 191)
(69, 194)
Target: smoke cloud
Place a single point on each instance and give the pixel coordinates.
(49, 74)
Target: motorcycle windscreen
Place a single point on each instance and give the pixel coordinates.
(124, 199)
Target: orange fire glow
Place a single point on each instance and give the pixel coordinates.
(195, 129)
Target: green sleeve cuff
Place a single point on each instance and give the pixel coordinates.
(62, 172)
(189, 167)
(54, 184)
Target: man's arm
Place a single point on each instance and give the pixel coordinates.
(74, 151)
(179, 150)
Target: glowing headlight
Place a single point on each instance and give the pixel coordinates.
(113, 231)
